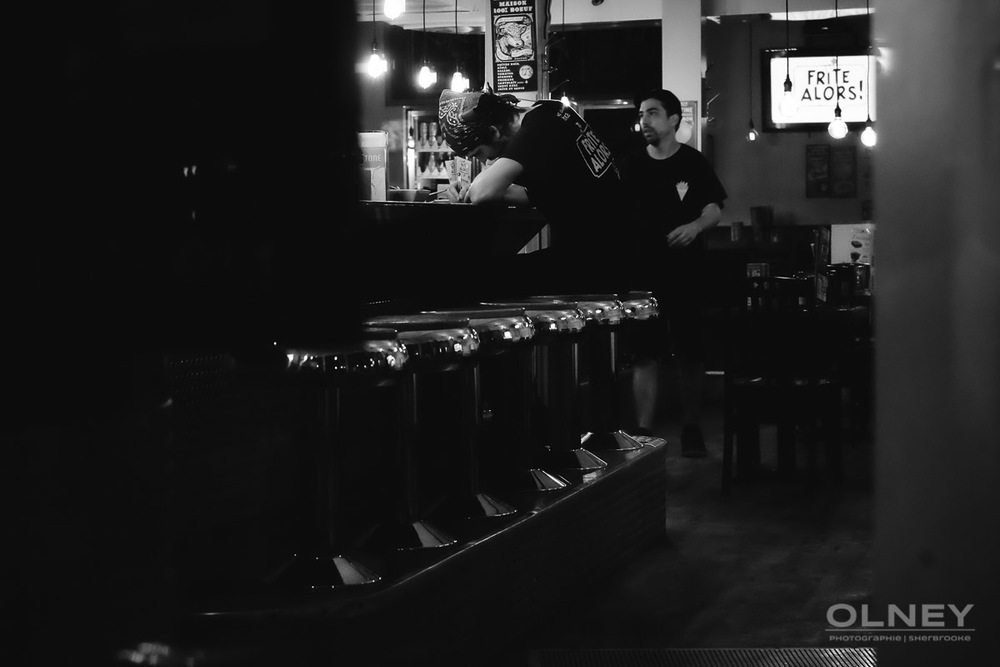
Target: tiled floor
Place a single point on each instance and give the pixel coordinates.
(756, 569)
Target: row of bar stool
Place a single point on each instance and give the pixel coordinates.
(478, 402)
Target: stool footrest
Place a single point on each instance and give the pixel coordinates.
(474, 506)
(412, 536)
(573, 459)
(318, 572)
(617, 441)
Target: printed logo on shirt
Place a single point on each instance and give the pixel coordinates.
(595, 153)
(682, 189)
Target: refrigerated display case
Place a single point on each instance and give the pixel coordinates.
(428, 157)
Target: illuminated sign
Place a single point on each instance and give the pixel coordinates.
(819, 84)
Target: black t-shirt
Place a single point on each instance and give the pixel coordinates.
(570, 176)
(671, 192)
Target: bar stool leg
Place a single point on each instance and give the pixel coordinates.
(564, 451)
(322, 564)
(606, 433)
(466, 499)
(408, 530)
(508, 430)
(532, 476)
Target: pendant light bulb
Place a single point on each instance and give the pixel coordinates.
(377, 65)
(869, 137)
(837, 127)
(684, 131)
(427, 77)
(459, 83)
(394, 8)
(752, 132)
(787, 105)
(565, 100)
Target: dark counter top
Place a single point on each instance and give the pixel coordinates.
(439, 254)
(466, 229)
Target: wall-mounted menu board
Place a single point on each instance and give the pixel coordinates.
(817, 170)
(515, 52)
(831, 171)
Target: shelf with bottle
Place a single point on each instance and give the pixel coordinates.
(434, 167)
(439, 148)
(429, 140)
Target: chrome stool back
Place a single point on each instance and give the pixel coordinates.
(505, 382)
(598, 386)
(327, 377)
(447, 415)
(559, 330)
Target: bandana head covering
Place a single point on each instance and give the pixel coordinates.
(466, 119)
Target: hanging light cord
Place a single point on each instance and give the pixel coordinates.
(424, 12)
(563, 27)
(750, 70)
(836, 60)
(374, 40)
(868, 64)
(787, 22)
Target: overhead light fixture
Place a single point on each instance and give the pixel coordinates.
(427, 76)
(459, 83)
(787, 104)
(868, 136)
(684, 132)
(393, 8)
(837, 127)
(377, 64)
(752, 132)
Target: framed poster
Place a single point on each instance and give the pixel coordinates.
(817, 170)
(515, 53)
(843, 172)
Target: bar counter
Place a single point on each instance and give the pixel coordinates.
(440, 227)
(436, 254)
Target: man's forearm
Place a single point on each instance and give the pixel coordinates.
(711, 215)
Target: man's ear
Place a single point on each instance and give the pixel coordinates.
(495, 133)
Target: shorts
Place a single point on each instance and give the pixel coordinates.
(677, 282)
(672, 334)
